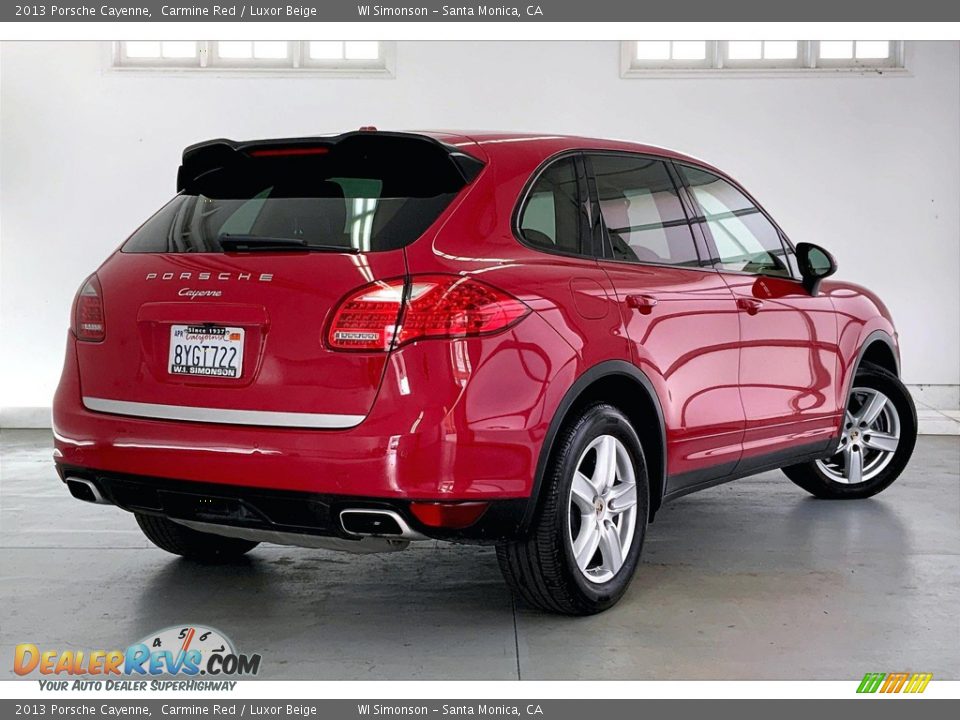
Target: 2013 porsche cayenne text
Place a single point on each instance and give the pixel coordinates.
(363, 340)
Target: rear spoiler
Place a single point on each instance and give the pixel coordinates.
(202, 158)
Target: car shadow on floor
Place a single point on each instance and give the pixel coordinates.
(421, 613)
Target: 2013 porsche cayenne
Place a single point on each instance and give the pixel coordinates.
(362, 340)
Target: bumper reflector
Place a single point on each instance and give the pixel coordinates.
(448, 515)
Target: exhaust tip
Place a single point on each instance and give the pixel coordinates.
(363, 523)
(86, 490)
(376, 523)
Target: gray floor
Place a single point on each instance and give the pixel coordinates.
(753, 580)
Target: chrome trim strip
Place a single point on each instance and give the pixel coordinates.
(268, 418)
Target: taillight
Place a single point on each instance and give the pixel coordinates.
(390, 313)
(367, 319)
(88, 320)
(451, 306)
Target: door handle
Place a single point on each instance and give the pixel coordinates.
(643, 303)
(751, 305)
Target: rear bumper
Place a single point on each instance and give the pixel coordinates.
(453, 421)
(287, 513)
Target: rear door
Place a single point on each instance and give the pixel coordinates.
(680, 317)
(574, 294)
(789, 353)
(216, 308)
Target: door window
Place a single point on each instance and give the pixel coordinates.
(642, 212)
(745, 240)
(550, 218)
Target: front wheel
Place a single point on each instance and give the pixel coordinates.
(585, 544)
(877, 438)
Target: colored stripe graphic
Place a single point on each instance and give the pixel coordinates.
(871, 682)
(894, 682)
(918, 683)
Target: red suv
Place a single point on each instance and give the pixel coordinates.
(361, 340)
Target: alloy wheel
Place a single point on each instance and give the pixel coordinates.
(602, 508)
(869, 440)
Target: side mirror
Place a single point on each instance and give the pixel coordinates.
(815, 264)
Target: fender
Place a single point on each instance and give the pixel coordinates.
(605, 369)
(881, 336)
(876, 336)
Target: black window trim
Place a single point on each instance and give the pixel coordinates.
(699, 220)
(588, 250)
(699, 245)
(595, 245)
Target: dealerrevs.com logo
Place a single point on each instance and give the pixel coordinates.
(183, 650)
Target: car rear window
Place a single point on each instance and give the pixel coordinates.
(360, 194)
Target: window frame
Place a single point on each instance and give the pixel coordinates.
(808, 64)
(297, 64)
(606, 246)
(588, 240)
(214, 61)
(893, 61)
(120, 59)
(711, 49)
(801, 61)
(308, 63)
(594, 240)
(700, 221)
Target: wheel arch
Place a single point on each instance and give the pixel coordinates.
(627, 388)
(879, 349)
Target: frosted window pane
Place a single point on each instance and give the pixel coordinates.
(780, 49)
(140, 49)
(873, 49)
(326, 50)
(836, 49)
(235, 50)
(270, 50)
(653, 50)
(179, 49)
(689, 50)
(362, 50)
(744, 50)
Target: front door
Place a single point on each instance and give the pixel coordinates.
(788, 338)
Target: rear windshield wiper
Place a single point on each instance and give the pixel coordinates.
(254, 243)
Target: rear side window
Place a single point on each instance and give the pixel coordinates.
(745, 240)
(550, 218)
(642, 212)
(359, 194)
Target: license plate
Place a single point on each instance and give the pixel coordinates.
(206, 350)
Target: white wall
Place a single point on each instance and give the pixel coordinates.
(867, 166)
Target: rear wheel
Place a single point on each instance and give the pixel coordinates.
(193, 544)
(585, 544)
(877, 438)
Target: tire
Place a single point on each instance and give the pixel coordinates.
(193, 544)
(829, 479)
(542, 569)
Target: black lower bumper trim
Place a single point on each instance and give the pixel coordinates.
(279, 510)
